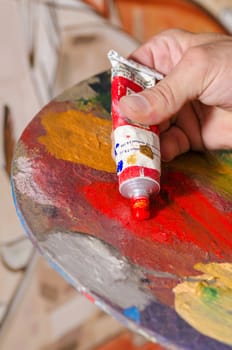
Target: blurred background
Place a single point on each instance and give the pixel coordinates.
(47, 46)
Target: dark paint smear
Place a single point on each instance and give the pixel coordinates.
(168, 326)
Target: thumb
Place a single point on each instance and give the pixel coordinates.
(184, 83)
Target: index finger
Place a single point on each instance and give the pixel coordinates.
(165, 50)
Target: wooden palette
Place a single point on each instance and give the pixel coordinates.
(168, 278)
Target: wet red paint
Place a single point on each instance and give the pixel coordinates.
(89, 297)
(187, 215)
(140, 208)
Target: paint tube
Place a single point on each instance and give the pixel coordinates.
(136, 147)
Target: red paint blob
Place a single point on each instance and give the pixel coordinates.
(140, 208)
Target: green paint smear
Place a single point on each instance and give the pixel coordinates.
(225, 157)
(96, 105)
(105, 100)
(209, 294)
(212, 169)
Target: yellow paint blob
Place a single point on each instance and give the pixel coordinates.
(205, 301)
(80, 138)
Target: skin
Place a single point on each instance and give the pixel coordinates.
(193, 103)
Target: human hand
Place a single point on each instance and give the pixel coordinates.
(193, 103)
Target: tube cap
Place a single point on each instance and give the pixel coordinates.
(140, 208)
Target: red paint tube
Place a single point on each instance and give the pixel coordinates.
(136, 147)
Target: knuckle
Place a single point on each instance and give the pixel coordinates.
(164, 94)
(199, 60)
(197, 55)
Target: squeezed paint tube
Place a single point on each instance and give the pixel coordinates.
(136, 147)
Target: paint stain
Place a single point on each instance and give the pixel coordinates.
(209, 294)
(210, 170)
(71, 136)
(177, 217)
(133, 313)
(205, 301)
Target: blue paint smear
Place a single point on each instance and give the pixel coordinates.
(119, 166)
(132, 313)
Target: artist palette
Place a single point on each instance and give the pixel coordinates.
(168, 278)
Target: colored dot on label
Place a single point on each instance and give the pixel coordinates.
(119, 166)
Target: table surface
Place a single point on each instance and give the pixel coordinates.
(170, 277)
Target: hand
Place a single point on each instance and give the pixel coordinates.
(193, 103)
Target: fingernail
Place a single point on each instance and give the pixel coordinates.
(135, 102)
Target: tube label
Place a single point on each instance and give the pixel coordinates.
(136, 146)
